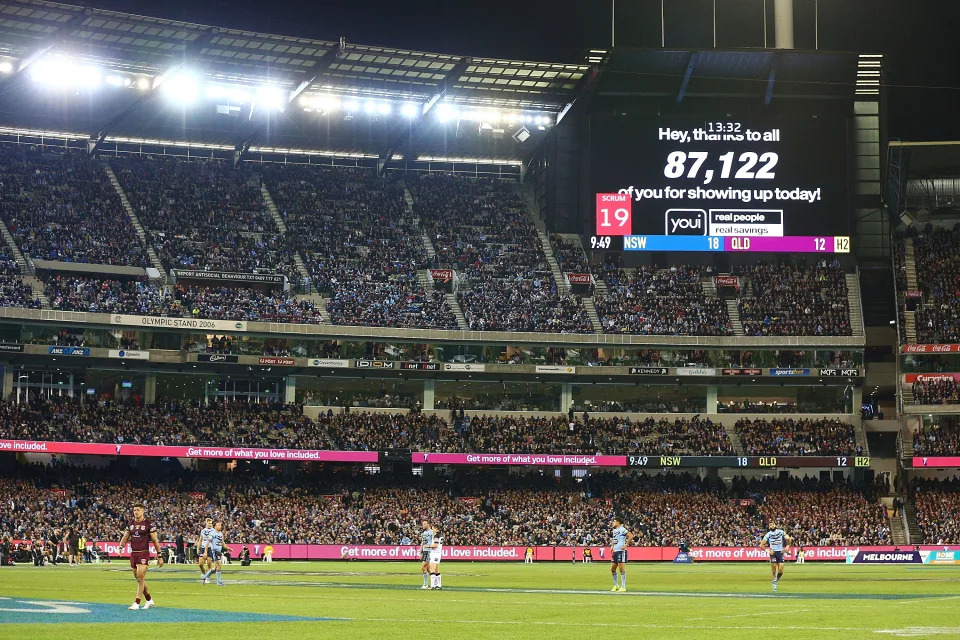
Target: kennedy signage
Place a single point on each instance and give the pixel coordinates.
(696, 371)
(579, 278)
(69, 351)
(931, 348)
(126, 354)
(840, 372)
(211, 453)
(441, 274)
(262, 278)
(194, 324)
(375, 364)
(742, 372)
(554, 368)
(727, 281)
(522, 459)
(7, 347)
(217, 357)
(648, 371)
(421, 366)
(463, 366)
(789, 372)
(279, 362)
(333, 363)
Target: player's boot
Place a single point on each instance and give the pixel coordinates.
(134, 607)
(148, 604)
(774, 585)
(424, 587)
(203, 580)
(220, 584)
(615, 588)
(622, 589)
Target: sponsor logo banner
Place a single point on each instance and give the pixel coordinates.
(129, 355)
(555, 368)
(859, 556)
(217, 357)
(463, 366)
(421, 366)
(333, 363)
(8, 347)
(269, 278)
(742, 372)
(530, 459)
(789, 372)
(941, 557)
(213, 453)
(926, 377)
(696, 371)
(442, 274)
(931, 348)
(648, 371)
(375, 364)
(685, 222)
(579, 278)
(196, 324)
(69, 351)
(281, 362)
(746, 222)
(912, 293)
(840, 372)
(514, 554)
(683, 558)
(936, 461)
(727, 281)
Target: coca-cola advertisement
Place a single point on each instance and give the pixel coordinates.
(580, 278)
(727, 281)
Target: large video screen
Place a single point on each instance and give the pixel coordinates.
(690, 184)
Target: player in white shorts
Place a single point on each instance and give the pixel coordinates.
(436, 552)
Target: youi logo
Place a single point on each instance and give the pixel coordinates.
(686, 222)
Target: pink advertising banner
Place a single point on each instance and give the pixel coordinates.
(541, 554)
(533, 459)
(226, 453)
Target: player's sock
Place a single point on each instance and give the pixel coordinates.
(209, 573)
(425, 579)
(439, 580)
(779, 575)
(138, 600)
(623, 581)
(219, 579)
(614, 575)
(146, 594)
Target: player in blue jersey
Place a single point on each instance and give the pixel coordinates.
(776, 542)
(214, 551)
(621, 538)
(426, 543)
(202, 562)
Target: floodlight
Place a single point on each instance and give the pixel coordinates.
(383, 108)
(351, 105)
(143, 83)
(182, 88)
(370, 106)
(409, 110)
(6, 66)
(271, 98)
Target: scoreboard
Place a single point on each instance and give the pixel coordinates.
(748, 462)
(773, 185)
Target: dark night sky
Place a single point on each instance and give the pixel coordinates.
(917, 36)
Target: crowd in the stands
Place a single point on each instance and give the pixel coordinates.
(783, 299)
(477, 509)
(941, 438)
(938, 509)
(652, 301)
(791, 436)
(936, 390)
(937, 255)
(14, 292)
(480, 228)
(204, 215)
(59, 205)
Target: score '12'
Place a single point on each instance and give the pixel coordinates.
(614, 213)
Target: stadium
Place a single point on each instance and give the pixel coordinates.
(295, 328)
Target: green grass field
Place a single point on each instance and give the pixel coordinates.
(485, 600)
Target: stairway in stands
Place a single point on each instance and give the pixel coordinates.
(278, 220)
(457, 311)
(735, 439)
(319, 303)
(897, 531)
(913, 529)
(861, 437)
(853, 299)
(141, 233)
(910, 266)
(709, 284)
(26, 268)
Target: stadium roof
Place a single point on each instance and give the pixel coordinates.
(140, 53)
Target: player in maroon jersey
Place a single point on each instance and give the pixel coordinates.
(139, 534)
